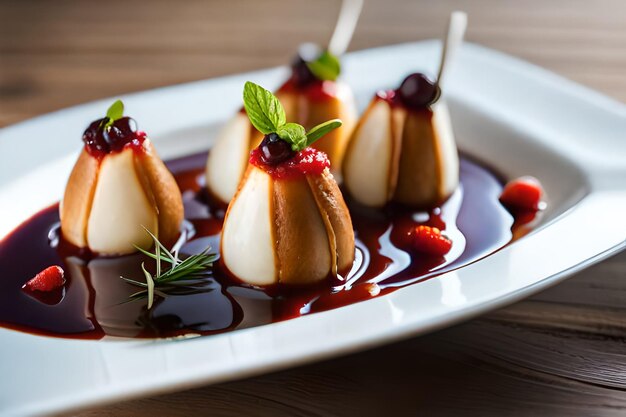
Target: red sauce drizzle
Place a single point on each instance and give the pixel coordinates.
(306, 162)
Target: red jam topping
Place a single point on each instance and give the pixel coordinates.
(101, 139)
(390, 96)
(306, 162)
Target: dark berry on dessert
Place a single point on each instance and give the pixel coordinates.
(49, 279)
(93, 137)
(301, 74)
(102, 139)
(274, 150)
(429, 240)
(417, 91)
(522, 194)
(121, 132)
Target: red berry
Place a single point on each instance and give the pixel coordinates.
(523, 193)
(49, 279)
(429, 240)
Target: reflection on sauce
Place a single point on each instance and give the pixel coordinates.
(94, 301)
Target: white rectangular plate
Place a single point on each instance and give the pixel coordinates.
(517, 117)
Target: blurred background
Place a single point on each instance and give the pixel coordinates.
(61, 53)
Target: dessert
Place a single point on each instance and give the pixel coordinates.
(288, 222)
(312, 94)
(403, 148)
(118, 187)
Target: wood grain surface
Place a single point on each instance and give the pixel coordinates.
(560, 353)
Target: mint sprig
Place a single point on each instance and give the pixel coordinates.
(267, 115)
(321, 129)
(325, 67)
(294, 134)
(263, 108)
(115, 112)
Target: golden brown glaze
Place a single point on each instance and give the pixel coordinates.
(396, 126)
(337, 219)
(419, 167)
(302, 243)
(76, 204)
(165, 191)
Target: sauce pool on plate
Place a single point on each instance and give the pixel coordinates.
(95, 302)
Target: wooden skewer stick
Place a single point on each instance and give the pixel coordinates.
(344, 29)
(454, 39)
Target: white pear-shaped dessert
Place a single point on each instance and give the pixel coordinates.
(118, 187)
(308, 99)
(403, 147)
(288, 222)
(403, 153)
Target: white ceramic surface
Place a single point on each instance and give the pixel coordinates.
(517, 117)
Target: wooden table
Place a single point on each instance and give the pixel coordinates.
(560, 353)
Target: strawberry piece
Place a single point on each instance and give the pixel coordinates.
(521, 194)
(47, 280)
(429, 240)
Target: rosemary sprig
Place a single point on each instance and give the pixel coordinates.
(184, 276)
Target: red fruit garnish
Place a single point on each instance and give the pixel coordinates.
(429, 240)
(307, 161)
(523, 193)
(49, 279)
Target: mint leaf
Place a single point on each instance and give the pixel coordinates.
(294, 134)
(263, 108)
(320, 130)
(325, 67)
(116, 111)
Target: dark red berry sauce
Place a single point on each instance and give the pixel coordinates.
(100, 138)
(93, 301)
(308, 161)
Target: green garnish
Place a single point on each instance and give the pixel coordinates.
(325, 67)
(188, 274)
(263, 108)
(267, 115)
(293, 133)
(115, 112)
(321, 129)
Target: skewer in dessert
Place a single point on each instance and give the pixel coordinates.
(403, 147)
(118, 187)
(313, 93)
(288, 222)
